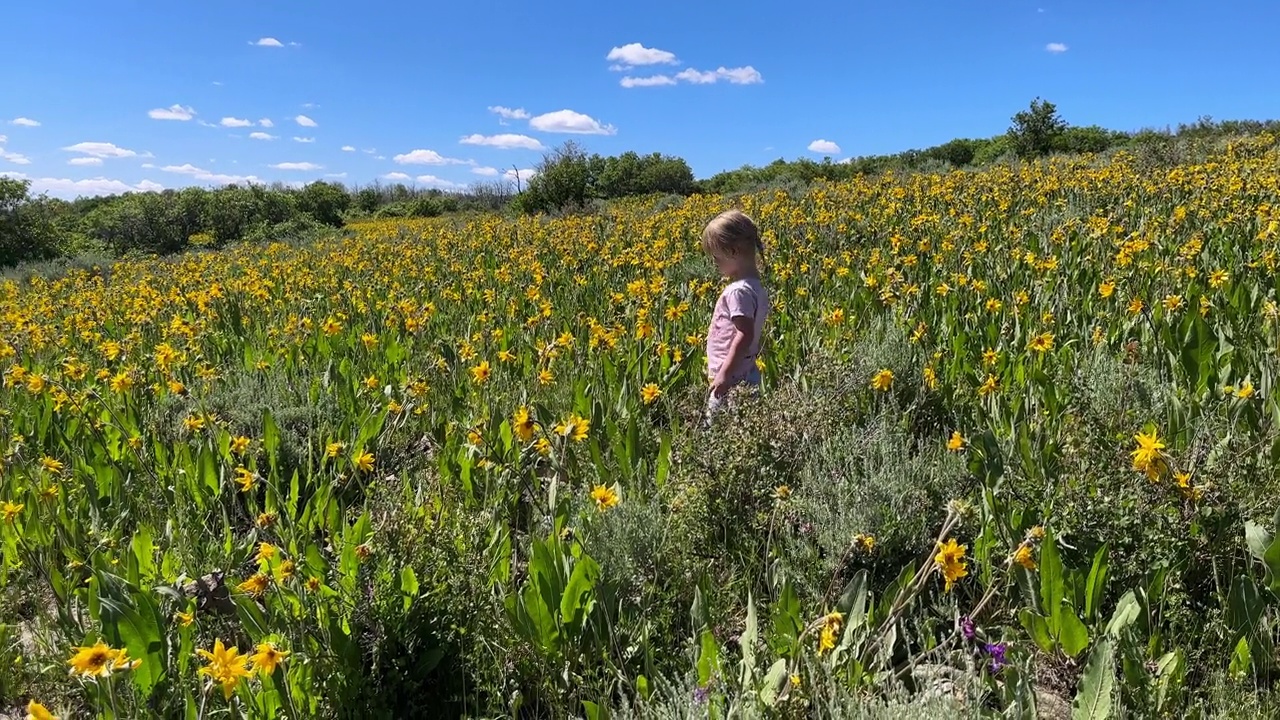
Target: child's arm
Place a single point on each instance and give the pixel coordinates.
(746, 330)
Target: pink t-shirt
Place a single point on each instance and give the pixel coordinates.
(740, 298)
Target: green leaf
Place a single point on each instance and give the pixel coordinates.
(1097, 582)
(591, 710)
(579, 598)
(1258, 539)
(270, 435)
(1074, 636)
(1052, 586)
(774, 682)
(1241, 659)
(750, 634)
(139, 633)
(1170, 669)
(708, 658)
(408, 586)
(1038, 628)
(1126, 612)
(1272, 559)
(1093, 701)
(142, 550)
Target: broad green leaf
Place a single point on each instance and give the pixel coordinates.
(1272, 560)
(1074, 637)
(1052, 585)
(1126, 612)
(774, 682)
(144, 552)
(1093, 701)
(579, 598)
(137, 629)
(1241, 659)
(708, 658)
(1097, 582)
(1038, 628)
(408, 586)
(1170, 670)
(747, 641)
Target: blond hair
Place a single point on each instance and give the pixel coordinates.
(731, 233)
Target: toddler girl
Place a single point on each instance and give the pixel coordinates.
(737, 323)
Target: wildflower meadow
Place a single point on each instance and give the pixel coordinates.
(1016, 454)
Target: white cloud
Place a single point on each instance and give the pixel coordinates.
(651, 81)
(741, 76)
(523, 176)
(69, 189)
(508, 114)
(427, 157)
(15, 158)
(398, 176)
(1056, 48)
(370, 151)
(262, 136)
(348, 148)
(305, 121)
(268, 42)
(568, 121)
(485, 171)
(736, 76)
(266, 122)
(504, 141)
(303, 140)
(634, 54)
(4, 139)
(235, 122)
(210, 177)
(297, 166)
(173, 112)
(433, 181)
(102, 150)
(85, 161)
(826, 147)
(336, 175)
(24, 122)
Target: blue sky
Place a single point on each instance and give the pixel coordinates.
(143, 94)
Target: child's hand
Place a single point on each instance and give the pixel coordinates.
(719, 384)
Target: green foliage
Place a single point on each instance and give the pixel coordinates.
(568, 179)
(1037, 130)
(27, 229)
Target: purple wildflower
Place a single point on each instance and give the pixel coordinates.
(996, 652)
(967, 629)
(700, 695)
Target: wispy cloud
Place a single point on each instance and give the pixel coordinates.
(267, 42)
(303, 139)
(305, 121)
(262, 136)
(232, 122)
(266, 122)
(504, 141)
(651, 81)
(1056, 48)
(173, 112)
(68, 189)
(305, 166)
(24, 122)
(15, 158)
(85, 161)
(427, 157)
(103, 150)
(210, 177)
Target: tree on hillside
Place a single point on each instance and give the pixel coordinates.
(26, 228)
(324, 202)
(1036, 130)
